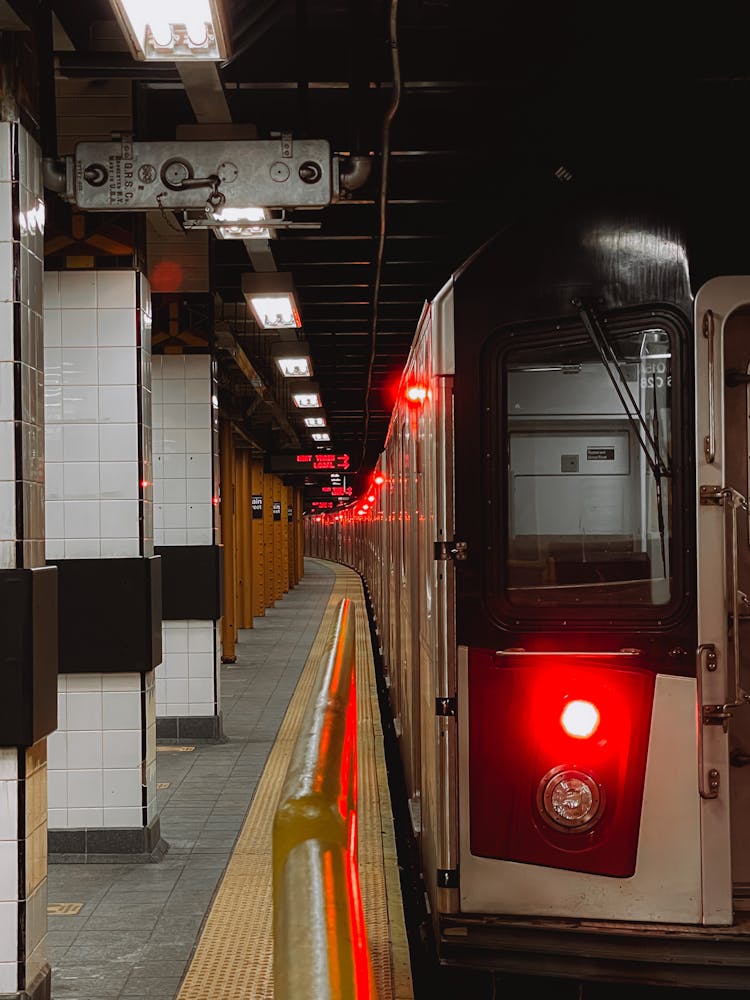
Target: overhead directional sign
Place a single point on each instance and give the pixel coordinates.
(324, 462)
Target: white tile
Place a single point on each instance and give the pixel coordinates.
(123, 748)
(175, 640)
(176, 665)
(198, 442)
(78, 327)
(82, 682)
(174, 491)
(57, 789)
(77, 289)
(8, 870)
(173, 391)
(116, 327)
(57, 819)
(52, 328)
(178, 708)
(119, 480)
(197, 708)
(54, 520)
(80, 442)
(7, 511)
(7, 401)
(80, 481)
(121, 548)
(173, 536)
(116, 289)
(80, 403)
(118, 404)
(9, 810)
(91, 818)
(198, 391)
(119, 441)
(199, 466)
(84, 750)
(53, 443)
(121, 710)
(199, 515)
(201, 689)
(79, 366)
(84, 712)
(173, 441)
(119, 817)
(174, 415)
(9, 934)
(201, 639)
(199, 491)
(82, 548)
(57, 742)
(175, 515)
(119, 518)
(81, 520)
(6, 272)
(85, 789)
(173, 467)
(7, 450)
(117, 366)
(177, 689)
(173, 366)
(7, 344)
(198, 416)
(122, 787)
(197, 366)
(8, 763)
(199, 536)
(121, 682)
(51, 289)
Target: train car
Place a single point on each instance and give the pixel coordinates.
(556, 548)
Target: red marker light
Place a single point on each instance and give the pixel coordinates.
(580, 719)
(416, 393)
(379, 480)
(371, 498)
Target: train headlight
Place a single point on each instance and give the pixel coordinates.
(569, 799)
(580, 719)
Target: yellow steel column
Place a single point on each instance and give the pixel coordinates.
(226, 465)
(284, 538)
(256, 531)
(268, 546)
(291, 493)
(278, 586)
(245, 611)
(300, 525)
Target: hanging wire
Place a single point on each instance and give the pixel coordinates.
(383, 203)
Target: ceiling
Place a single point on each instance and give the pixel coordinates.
(484, 108)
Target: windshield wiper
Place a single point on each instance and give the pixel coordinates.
(649, 442)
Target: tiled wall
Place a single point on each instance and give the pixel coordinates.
(185, 439)
(21, 368)
(186, 477)
(8, 869)
(97, 359)
(107, 727)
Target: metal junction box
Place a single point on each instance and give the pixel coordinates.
(138, 176)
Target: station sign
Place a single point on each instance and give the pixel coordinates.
(325, 462)
(257, 507)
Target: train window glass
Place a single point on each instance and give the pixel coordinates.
(589, 489)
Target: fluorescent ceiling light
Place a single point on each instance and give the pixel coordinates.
(240, 223)
(306, 399)
(270, 295)
(321, 436)
(315, 422)
(173, 29)
(294, 367)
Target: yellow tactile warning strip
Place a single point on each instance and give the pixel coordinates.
(234, 957)
(64, 909)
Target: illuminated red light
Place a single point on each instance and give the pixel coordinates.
(580, 719)
(371, 498)
(215, 501)
(318, 519)
(416, 393)
(360, 513)
(144, 483)
(379, 480)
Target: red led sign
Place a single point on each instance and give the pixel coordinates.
(320, 462)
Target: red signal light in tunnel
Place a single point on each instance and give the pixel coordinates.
(379, 479)
(580, 719)
(371, 498)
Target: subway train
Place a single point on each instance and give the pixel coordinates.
(556, 551)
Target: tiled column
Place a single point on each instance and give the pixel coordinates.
(28, 590)
(186, 534)
(102, 759)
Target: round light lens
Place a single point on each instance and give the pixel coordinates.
(580, 719)
(569, 800)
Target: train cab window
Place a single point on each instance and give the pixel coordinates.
(588, 430)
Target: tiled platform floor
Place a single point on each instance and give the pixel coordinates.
(135, 933)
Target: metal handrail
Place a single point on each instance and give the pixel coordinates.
(320, 943)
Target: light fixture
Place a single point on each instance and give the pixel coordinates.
(580, 719)
(292, 358)
(307, 397)
(241, 223)
(321, 436)
(173, 30)
(270, 296)
(315, 421)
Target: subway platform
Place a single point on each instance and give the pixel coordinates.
(198, 924)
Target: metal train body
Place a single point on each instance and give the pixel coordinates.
(558, 559)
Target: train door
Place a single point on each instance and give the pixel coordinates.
(723, 418)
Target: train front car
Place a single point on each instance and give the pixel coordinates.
(593, 800)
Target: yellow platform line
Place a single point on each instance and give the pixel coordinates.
(234, 956)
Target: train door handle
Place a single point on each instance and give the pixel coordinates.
(709, 442)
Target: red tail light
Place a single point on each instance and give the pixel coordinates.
(580, 719)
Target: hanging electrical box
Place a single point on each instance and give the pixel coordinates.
(142, 176)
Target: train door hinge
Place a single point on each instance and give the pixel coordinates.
(447, 878)
(457, 551)
(445, 706)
